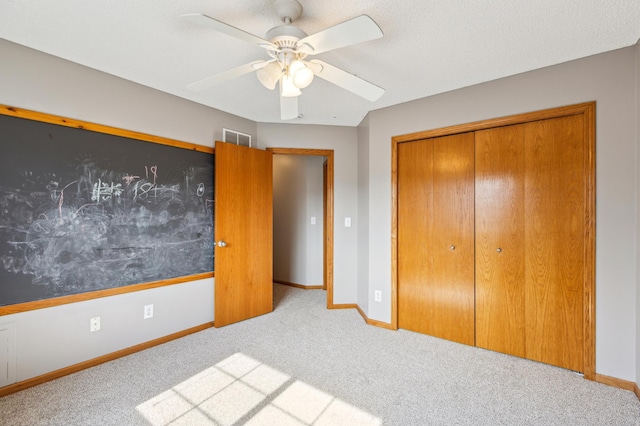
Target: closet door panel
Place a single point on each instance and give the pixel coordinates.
(554, 241)
(500, 310)
(415, 221)
(453, 295)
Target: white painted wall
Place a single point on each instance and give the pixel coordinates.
(343, 141)
(53, 338)
(609, 79)
(297, 196)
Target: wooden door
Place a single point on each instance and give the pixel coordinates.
(500, 310)
(244, 221)
(453, 251)
(415, 230)
(436, 237)
(555, 209)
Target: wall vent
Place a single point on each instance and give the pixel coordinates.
(231, 136)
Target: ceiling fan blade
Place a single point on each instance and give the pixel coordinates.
(207, 21)
(288, 107)
(354, 31)
(208, 82)
(347, 81)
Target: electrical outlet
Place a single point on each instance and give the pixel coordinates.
(94, 324)
(148, 311)
(377, 296)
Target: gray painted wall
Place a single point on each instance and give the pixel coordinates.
(53, 338)
(363, 215)
(609, 79)
(343, 141)
(314, 198)
(33, 80)
(289, 226)
(297, 196)
(638, 213)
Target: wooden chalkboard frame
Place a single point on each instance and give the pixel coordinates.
(93, 127)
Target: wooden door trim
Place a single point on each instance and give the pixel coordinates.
(499, 122)
(587, 109)
(328, 242)
(324, 224)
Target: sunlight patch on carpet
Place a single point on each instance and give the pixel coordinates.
(240, 388)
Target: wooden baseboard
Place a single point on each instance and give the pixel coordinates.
(342, 306)
(369, 321)
(375, 322)
(618, 383)
(16, 387)
(25, 384)
(305, 287)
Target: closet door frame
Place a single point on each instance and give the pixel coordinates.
(588, 111)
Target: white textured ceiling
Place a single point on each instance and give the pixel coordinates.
(429, 46)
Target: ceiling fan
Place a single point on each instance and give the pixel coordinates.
(288, 48)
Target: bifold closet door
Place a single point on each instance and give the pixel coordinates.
(555, 209)
(436, 237)
(415, 223)
(530, 255)
(500, 245)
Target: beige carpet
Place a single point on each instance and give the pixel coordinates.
(306, 365)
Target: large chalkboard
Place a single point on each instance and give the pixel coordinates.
(82, 211)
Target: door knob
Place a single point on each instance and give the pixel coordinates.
(453, 247)
(222, 243)
(499, 250)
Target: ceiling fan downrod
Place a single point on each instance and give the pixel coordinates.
(288, 10)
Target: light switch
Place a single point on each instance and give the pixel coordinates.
(347, 222)
(313, 220)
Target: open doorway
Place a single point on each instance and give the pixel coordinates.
(315, 220)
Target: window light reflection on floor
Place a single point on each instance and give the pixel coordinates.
(240, 388)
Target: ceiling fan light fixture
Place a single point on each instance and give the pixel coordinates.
(287, 88)
(288, 48)
(302, 76)
(269, 75)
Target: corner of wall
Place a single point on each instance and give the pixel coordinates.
(363, 216)
(637, 94)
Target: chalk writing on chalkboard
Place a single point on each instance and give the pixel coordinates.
(83, 211)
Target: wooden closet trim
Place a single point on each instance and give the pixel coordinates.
(586, 109)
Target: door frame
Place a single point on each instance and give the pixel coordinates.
(588, 111)
(324, 224)
(329, 225)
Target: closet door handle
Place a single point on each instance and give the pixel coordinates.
(499, 250)
(452, 247)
